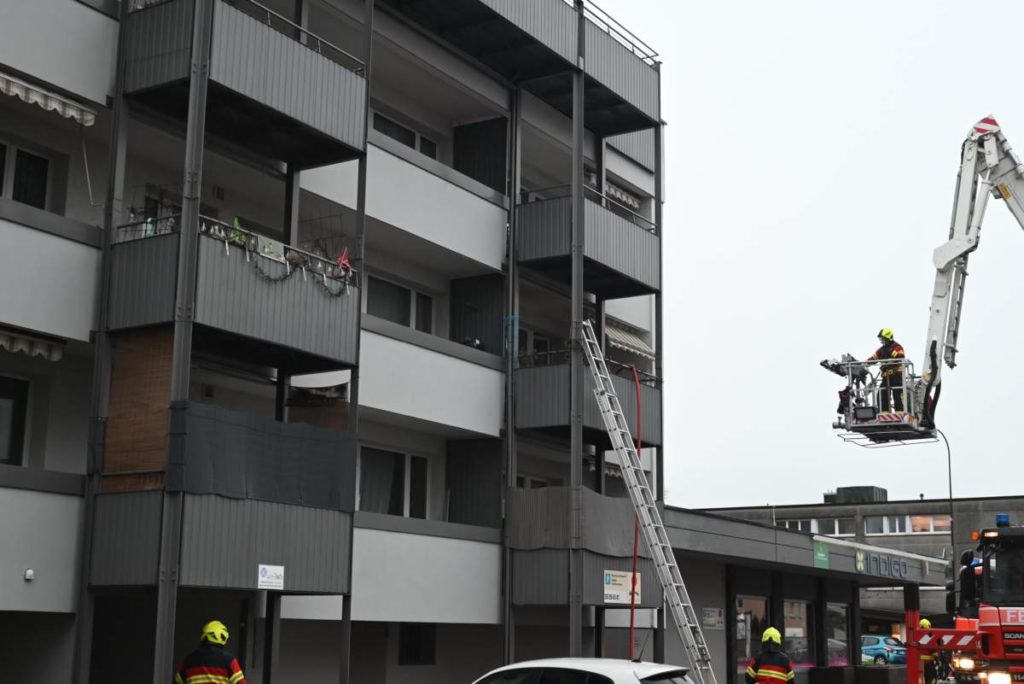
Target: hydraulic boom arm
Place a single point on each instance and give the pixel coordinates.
(987, 166)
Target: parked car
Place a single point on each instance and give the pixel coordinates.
(882, 650)
(586, 671)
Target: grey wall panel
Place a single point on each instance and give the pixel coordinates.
(158, 45)
(543, 229)
(621, 244)
(540, 518)
(638, 146)
(259, 62)
(544, 402)
(607, 524)
(594, 566)
(473, 480)
(553, 23)
(143, 281)
(295, 312)
(612, 63)
(225, 540)
(241, 455)
(478, 311)
(479, 151)
(126, 541)
(540, 578)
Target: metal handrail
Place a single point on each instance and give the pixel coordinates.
(647, 224)
(620, 33)
(562, 357)
(147, 228)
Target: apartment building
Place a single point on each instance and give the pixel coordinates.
(289, 295)
(935, 528)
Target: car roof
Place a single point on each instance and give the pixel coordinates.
(605, 666)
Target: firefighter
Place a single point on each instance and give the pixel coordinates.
(771, 665)
(211, 663)
(928, 658)
(892, 373)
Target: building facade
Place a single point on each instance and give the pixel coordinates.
(935, 528)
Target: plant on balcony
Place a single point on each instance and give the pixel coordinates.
(295, 259)
(237, 235)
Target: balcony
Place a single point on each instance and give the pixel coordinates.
(540, 529)
(542, 382)
(256, 289)
(621, 250)
(275, 88)
(534, 42)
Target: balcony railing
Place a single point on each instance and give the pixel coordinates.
(282, 25)
(562, 357)
(628, 39)
(256, 247)
(594, 195)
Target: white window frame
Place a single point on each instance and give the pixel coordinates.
(7, 187)
(419, 137)
(908, 526)
(406, 479)
(413, 303)
(795, 527)
(833, 530)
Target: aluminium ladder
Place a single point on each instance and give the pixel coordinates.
(678, 599)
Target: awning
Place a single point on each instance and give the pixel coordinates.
(627, 341)
(33, 346)
(50, 101)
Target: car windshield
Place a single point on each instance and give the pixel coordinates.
(1003, 578)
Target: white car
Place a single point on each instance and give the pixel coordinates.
(585, 671)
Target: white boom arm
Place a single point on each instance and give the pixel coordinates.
(987, 166)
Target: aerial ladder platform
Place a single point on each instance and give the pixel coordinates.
(684, 616)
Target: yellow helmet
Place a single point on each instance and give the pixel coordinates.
(215, 632)
(925, 623)
(771, 634)
(886, 334)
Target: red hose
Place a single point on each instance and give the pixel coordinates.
(636, 521)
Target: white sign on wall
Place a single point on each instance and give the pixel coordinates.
(617, 586)
(270, 577)
(713, 618)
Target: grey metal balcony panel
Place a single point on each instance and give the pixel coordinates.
(143, 281)
(621, 71)
(269, 67)
(540, 518)
(638, 146)
(159, 45)
(622, 245)
(126, 541)
(607, 524)
(543, 229)
(540, 578)
(544, 402)
(473, 469)
(553, 23)
(245, 456)
(295, 312)
(225, 540)
(594, 567)
(478, 310)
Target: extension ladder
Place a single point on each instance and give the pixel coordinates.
(679, 605)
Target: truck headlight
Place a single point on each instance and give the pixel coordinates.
(999, 678)
(964, 664)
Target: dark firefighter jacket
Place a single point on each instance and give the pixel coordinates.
(209, 664)
(769, 667)
(890, 350)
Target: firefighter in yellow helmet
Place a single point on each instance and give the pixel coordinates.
(211, 663)
(929, 662)
(891, 357)
(771, 665)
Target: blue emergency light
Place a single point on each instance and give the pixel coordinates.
(1002, 520)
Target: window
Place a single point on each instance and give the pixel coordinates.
(24, 176)
(896, 524)
(398, 304)
(837, 631)
(385, 488)
(13, 404)
(751, 621)
(846, 526)
(553, 675)
(417, 643)
(800, 525)
(798, 636)
(907, 524)
(836, 527)
(404, 135)
(874, 524)
(922, 524)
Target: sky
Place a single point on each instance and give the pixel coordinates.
(811, 158)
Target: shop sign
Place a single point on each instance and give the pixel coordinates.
(821, 557)
(882, 565)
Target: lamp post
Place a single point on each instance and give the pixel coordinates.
(949, 471)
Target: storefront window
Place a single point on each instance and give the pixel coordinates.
(798, 641)
(751, 621)
(837, 629)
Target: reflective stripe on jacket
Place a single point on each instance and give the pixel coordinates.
(209, 664)
(890, 350)
(769, 668)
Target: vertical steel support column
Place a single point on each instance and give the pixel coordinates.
(577, 386)
(292, 191)
(820, 619)
(511, 466)
(184, 309)
(102, 359)
(271, 636)
(659, 314)
(852, 650)
(359, 264)
(730, 625)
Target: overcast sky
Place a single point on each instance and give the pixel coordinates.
(812, 151)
